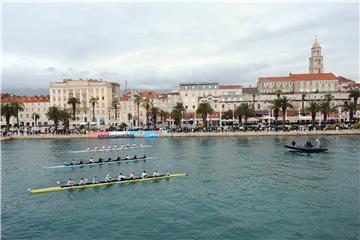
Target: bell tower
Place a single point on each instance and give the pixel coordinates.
(316, 64)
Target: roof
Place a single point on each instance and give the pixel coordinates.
(199, 83)
(25, 99)
(230, 87)
(302, 77)
(249, 90)
(345, 80)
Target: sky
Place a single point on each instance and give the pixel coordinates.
(158, 45)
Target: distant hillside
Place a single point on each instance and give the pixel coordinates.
(26, 91)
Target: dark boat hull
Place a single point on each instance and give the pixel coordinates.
(305, 149)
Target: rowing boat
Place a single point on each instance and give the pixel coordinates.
(62, 188)
(305, 149)
(98, 163)
(109, 149)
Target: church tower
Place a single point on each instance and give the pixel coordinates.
(316, 64)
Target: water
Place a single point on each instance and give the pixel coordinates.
(237, 188)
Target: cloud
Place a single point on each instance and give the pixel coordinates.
(159, 45)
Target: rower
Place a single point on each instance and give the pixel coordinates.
(94, 180)
(144, 156)
(317, 143)
(127, 145)
(109, 159)
(143, 175)
(103, 148)
(122, 146)
(118, 158)
(115, 147)
(121, 177)
(86, 181)
(81, 161)
(135, 157)
(91, 160)
(140, 145)
(88, 149)
(134, 145)
(70, 183)
(127, 157)
(82, 182)
(72, 162)
(100, 160)
(293, 143)
(167, 173)
(156, 174)
(109, 147)
(132, 176)
(108, 178)
(96, 148)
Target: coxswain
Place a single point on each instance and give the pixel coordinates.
(108, 178)
(156, 174)
(143, 175)
(94, 180)
(121, 177)
(132, 176)
(70, 183)
(82, 182)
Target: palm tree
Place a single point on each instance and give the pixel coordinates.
(313, 107)
(246, 111)
(7, 111)
(228, 114)
(239, 114)
(35, 116)
(163, 116)
(146, 103)
(65, 116)
(17, 107)
(138, 100)
(329, 97)
(204, 109)
(129, 118)
(285, 103)
(154, 112)
(275, 105)
(355, 94)
(351, 108)
(326, 108)
(115, 104)
(73, 101)
(303, 96)
(53, 113)
(177, 113)
(254, 93)
(93, 101)
(278, 93)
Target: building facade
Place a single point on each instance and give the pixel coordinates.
(84, 90)
(316, 61)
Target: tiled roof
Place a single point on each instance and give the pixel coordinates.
(302, 77)
(25, 99)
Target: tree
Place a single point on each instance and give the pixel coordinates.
(204, 109)
(228, 114)
(275, 106)
(129, 118)
(73, 101)
(246, 111)
(35, 116)
(146, 103)
(313, 107)
(7, 111)
(278, 93)
(303, 96)
(123, 125)
(326, 108)
(355, 94)
(138, 100)
(351, 108)
(254, 93)
(154, 112)
(53, 114)
(177, 113)
(239, 114)
(163, 116)
(17, 107)
(93, 101)
(285, 103)
(115, 104)
(329, 97)
(65, 116)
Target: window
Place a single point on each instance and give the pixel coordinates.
(186, 107)
(193, 106)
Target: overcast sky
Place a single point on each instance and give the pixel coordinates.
(158, 45)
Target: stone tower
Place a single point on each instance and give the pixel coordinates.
(316, 64)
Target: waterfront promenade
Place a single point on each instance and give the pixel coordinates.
(195, 134)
